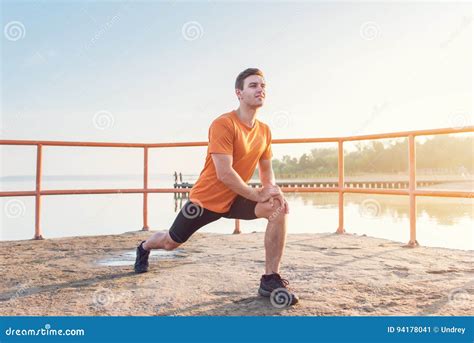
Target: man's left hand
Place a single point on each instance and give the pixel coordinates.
(276, 193)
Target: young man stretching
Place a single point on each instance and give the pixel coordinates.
(237, 142)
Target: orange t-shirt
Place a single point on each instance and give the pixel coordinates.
(228, 135)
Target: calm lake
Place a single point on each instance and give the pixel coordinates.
(441, 222)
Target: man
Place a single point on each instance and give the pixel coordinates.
(237, 142)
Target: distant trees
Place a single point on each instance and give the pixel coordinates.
(440, 154)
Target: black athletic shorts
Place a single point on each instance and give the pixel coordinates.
(192, 217)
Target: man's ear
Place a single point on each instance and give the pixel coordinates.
(238, 92)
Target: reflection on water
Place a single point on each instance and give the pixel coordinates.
(444, 211)
(441, 222)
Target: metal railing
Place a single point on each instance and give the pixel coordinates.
(412, 191)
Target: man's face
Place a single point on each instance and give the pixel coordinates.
(253, 94)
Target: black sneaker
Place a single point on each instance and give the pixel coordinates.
(141, 262)
(276, 288)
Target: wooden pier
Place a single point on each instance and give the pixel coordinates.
(396, 182)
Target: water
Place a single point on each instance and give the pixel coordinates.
(127, 258)
(441, 222)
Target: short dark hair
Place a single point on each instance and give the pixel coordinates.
(239, 82)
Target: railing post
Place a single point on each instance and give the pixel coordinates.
(145, 187)
(39, 157)
(411, 188)
(340, 168)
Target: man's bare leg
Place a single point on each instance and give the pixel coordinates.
(237, 227)
(275, 238)
(160, 240)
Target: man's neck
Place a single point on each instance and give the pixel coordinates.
(247, 115)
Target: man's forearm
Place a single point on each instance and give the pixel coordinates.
(267, 178)
(233, 181)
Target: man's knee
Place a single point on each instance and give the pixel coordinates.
(278, 213)
(273, 212)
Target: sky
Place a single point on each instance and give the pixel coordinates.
(149, 71)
